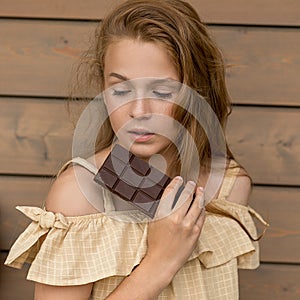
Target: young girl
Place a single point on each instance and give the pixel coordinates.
(89, 244)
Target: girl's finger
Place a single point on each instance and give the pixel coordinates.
(196, 207)
(165, 204)
(201, 218)
(185, 199)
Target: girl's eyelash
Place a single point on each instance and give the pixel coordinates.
(120, 93)
(163, 95)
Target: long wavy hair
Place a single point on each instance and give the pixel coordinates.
(176, 26)
(199, 63)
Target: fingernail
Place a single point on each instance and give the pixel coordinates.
(191, 183)
(200, 189)
(178, 178)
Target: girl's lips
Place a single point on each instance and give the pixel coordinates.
(141, 136)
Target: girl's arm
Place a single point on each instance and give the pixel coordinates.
(50, 292)
(171, 240)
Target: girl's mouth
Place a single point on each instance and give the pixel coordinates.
(141, 135)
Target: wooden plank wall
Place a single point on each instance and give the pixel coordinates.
(261, 39)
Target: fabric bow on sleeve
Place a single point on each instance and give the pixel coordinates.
(44, 219)
(42, 222)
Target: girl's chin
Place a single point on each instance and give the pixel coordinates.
(142, 150)
(145, 150)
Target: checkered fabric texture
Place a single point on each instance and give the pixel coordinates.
(102, 249)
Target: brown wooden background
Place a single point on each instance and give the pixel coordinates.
(40, 41)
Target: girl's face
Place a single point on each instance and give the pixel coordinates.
(136, 122)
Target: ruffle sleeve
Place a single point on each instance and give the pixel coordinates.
(229, 234)
(84, 249)
(77, 250)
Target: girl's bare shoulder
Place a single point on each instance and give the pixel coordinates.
(66, 195)
(241, 188)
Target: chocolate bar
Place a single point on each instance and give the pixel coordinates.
(133, 179)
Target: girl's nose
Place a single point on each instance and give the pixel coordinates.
(140, 109)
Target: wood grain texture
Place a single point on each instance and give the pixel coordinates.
(64, 9)
(267, 142)
(268, 12)
(283, 218)
(36, 136)
(37, 139)
(256, 12)
(264, 64)
(19, 191)
(13, 285)
(270, 281)
(40, 45)
(280, 208)
(37, 58)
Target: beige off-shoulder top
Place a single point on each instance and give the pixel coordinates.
(102, 249)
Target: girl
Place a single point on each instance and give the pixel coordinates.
(87, 243)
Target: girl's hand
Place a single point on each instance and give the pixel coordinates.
(173, 234)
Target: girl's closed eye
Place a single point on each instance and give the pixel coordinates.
(163, 94)
(166, 90)
(120, 92)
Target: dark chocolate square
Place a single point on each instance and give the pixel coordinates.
(121, 153)
(141, 197)
(146, 207)
(132, 178)
(151, 189)
(115, 165)
(106, 177)
(124, 190)
(140, 166)
(145, 203)
(158, 177)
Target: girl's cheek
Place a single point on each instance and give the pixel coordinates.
(161, 107)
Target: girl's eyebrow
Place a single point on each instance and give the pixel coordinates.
(155, 81)
(119, 76)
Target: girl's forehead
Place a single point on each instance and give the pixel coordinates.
(136, 59)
